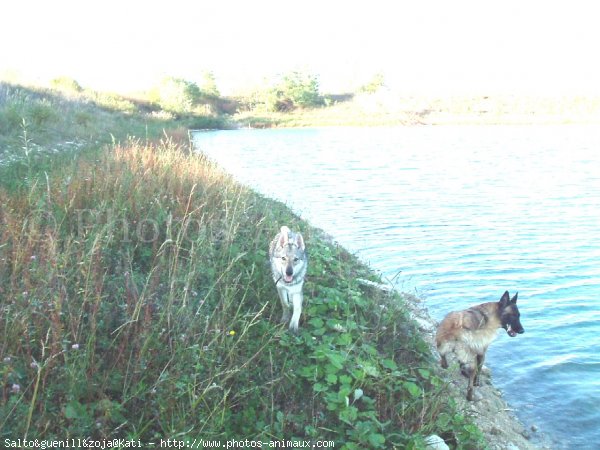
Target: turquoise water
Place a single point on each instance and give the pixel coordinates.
(458, 215)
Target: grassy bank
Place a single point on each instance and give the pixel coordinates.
(136, 302)
(41, 128)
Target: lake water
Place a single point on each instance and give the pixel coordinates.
(458, 215)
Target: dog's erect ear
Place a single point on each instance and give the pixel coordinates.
(300, 241)
(504, 301)
(514, 299)
(284, 236)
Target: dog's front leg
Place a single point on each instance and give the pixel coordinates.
(470, 371)
(480, 360)
(297, 304)
(443, 362)
(285, 304)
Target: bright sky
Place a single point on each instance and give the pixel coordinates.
(453, 46)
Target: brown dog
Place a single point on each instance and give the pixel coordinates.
(468, 334)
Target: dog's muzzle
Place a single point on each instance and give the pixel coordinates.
(285, 278)
(513, 333)
(288, 276)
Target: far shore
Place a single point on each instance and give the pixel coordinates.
(386, 109)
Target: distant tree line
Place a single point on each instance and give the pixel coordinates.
(289, 91)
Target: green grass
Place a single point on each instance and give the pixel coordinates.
(136, 302)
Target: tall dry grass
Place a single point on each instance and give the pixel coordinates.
(116, 274)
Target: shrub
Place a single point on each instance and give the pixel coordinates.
(208, 85)
(374, 85)
(113, 101)
(291, 91)
(65, 84)
(176, 95)
(297, 89)
(42, 112)
(10, 119)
